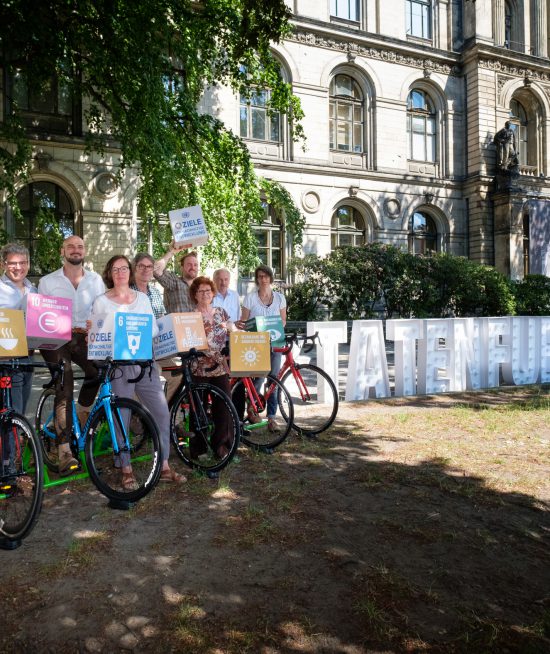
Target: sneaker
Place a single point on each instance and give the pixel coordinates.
(272, 426)
(253, 417)
(68, 465)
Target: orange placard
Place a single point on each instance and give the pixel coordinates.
(249, 354)
(179, 332)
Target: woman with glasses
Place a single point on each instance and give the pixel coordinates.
(213, 367)
(120, 297)
(265, 302)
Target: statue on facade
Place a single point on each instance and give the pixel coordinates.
(505, 142)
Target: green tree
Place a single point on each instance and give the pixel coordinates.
(47, 252)
(144, 67)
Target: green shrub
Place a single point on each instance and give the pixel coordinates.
(532, 295)
(376, 279)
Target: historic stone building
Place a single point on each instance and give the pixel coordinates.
(402, 101)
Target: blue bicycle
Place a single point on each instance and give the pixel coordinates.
(116, 426)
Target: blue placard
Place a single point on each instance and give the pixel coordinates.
(133, 336)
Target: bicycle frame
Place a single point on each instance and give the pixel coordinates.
(290, 364)
(103, 400)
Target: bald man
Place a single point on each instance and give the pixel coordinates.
(74, 282)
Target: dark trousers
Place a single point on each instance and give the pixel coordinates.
(222, 421)
(76, 350)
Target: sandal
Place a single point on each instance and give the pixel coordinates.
(129, 482)
(171, 476)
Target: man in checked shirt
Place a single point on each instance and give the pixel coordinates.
(176, 297)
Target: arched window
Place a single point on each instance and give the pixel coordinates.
(269, 234)
(421, 126)
(347, 227)
(419, 18)
(33, 199)
(422, 234)
(346, 115)
(518, 118)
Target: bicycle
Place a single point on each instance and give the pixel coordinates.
(115, 426)
(258, 435)
(193, 424)
(314, 395)
(21, 466)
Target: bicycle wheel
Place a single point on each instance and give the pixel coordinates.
(193, 427)
(44, 424)
(21, 478)
(134, 424)
(315, 401)
(258, 435)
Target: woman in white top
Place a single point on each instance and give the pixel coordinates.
(265, 302)
(118, 276)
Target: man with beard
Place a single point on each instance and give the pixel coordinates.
(74, 282)
(176, 300)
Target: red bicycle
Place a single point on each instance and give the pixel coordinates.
(313, 393)
(258, 432)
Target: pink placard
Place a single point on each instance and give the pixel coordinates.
(49, 321)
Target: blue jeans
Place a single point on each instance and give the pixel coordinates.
(274, 397)
(21, 385)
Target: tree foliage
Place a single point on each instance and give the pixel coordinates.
(532, 295)
(378, 280)
(144, 67)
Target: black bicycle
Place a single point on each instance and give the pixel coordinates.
(196, 412)
(21, 467)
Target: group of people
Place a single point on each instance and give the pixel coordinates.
(126, 286)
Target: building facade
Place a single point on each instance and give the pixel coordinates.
(402, 102)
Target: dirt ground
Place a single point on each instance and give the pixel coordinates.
(416, 525)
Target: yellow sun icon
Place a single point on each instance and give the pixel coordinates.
(249, 356)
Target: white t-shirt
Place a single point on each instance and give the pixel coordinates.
(103, 305)
(90, 286)
(256, 307)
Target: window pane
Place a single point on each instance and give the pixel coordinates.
(244, 122)
(358, 113)
(430, 148)
(332, 127)
(262, 238)
(258, 123)
(44, 195)
(275, 128)
(20, 91)
(418, 124)
(42, 98)
(418, 151)
(276, 238)
(344, 111)
(64, 99)
(345, 239)
(343, 85)
(358, 138)
(344, 136)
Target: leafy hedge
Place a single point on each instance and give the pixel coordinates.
(378, 280)
(532, 295)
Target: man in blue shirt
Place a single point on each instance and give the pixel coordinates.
(225, 297)
(14, 287)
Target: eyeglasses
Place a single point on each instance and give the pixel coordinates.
(142, 266)
(16, 264)
(122, 269)
(204, 292)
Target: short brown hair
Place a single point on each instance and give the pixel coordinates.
(187, 255)
(195, 287)
(107, 271)
(265, 269)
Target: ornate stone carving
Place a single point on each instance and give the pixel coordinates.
(311, 201)
(389, 54)
(392, 208)
(105, 184)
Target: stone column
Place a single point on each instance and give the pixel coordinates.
(539, 40)
(499, 20)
